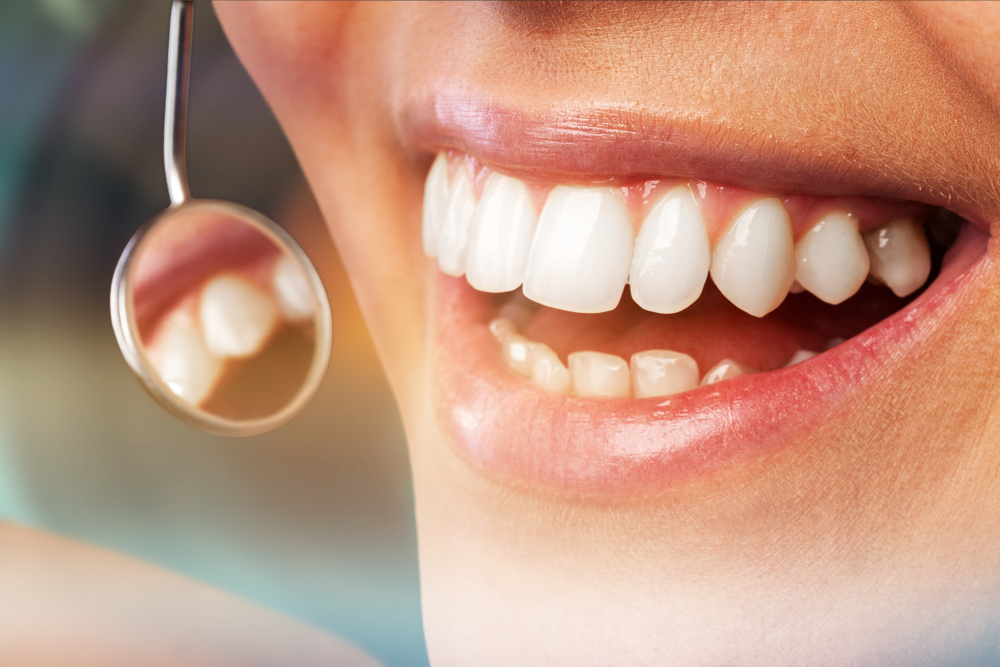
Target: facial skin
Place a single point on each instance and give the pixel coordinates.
(865, 534)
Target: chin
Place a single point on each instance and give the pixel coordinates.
(690, 312)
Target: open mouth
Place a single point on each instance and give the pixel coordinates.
(617, 335)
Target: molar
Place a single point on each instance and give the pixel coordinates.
(453, 234)
(754, 263)
(500, 236)
(724, 370)
(435, 200)
(672, 255)
(662, 372)
(236, 316)
(516, 350)
(900, 256)
(582, 251)
(831, 259)
(598, 374)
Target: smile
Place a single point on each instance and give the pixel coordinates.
(612, 335)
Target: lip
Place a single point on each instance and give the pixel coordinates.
(623, 447)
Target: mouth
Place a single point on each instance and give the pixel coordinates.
(616, 333)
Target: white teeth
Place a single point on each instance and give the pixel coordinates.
(435, 199)
(501, 328)
(580, 257)
(183, 361)
(724, 370)
(236, 317)
(292, 292)
(597, 374)
(800, 356)
(831, 260)
(500, 236)
(662, 372)
(516, 351)
(547, 371)
(453, 233)
(754, 263)
(672, 255)
(900, 256)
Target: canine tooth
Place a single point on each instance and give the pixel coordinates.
(662, 372)
(724, 370)
(517, 354)
(547, 371)
(501, 328)
(831, 259)
(500, 236)
(291, 291)
(800, 356)
(453, 234)
(597, 374)
(236, 317)
(900, 256)
(672, 255)
(754, 263)
(435, 199)
(183, 361)
(580, 257)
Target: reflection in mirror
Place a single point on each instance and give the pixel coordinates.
(226, 318)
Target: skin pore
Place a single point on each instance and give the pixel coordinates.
(869, 536)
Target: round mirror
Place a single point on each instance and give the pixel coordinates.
(222, 317)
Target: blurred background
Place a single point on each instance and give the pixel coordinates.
(315, 519)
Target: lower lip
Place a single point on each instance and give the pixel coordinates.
(622, 447)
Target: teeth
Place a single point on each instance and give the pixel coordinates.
(435, 199)
(800, 356)
(831, 259)
(754, 263)
(516, 351)
(519, 310)
(292, 292)
(183, 361)
(453, 233)
(724, 370)
(662, 372)
(501, 328)
(580, 257)
(597, 374)
(900, 256)
(672, 255)
(547, 371)
(500, 236)
(236, 317)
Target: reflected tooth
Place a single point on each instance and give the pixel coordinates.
(500, 236)
(547, 371)
(662, 372)
(501, 328)
(236, 317)
(724, 370)
(831, 260)
(516, 351)
(597, 374)
(800, 356)
(453, 233)
(580, 257)
(435, 199)
(900, 256)
(183, 361)
(672, 255)
(754, 263)
(291, 291)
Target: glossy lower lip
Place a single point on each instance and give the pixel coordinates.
(621, 447)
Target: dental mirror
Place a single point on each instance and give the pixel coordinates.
(218, 312)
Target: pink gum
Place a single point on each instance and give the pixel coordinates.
(720, 204)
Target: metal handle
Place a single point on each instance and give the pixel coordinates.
(175, 116)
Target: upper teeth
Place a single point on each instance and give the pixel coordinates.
(581, 250)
